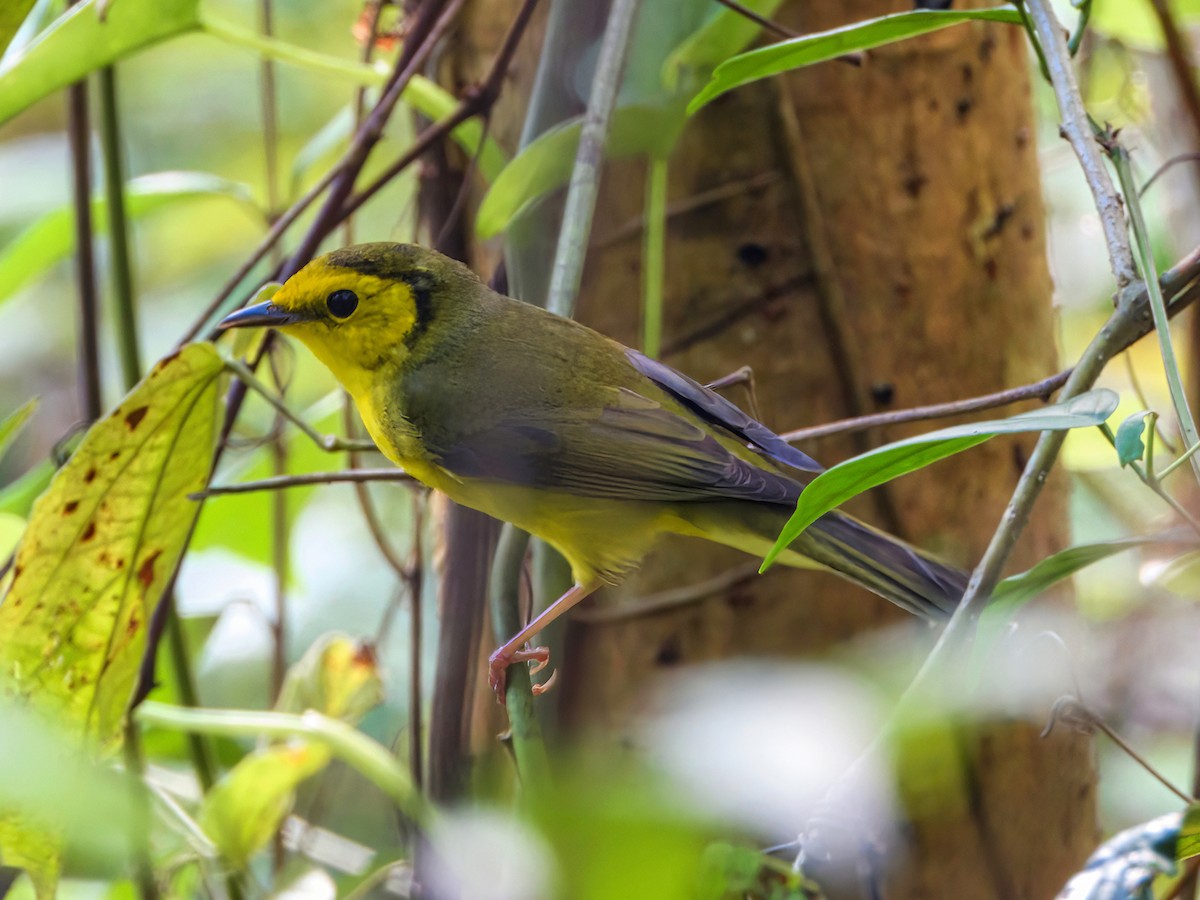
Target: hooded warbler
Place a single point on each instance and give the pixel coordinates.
(545, 423)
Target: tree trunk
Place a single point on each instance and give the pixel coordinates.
(865, 238)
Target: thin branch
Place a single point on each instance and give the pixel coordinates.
(584, 186)
(289, 481)
(1179, 56)
(669, 599)
(1040, 390)
(1169, 164)
(1077, 128)
(762, 21)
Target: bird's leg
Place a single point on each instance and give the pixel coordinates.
(514, 651)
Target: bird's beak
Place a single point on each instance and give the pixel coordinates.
(265, 313)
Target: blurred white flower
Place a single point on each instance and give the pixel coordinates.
(486, 855)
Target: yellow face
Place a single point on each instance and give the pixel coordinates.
(358, 310)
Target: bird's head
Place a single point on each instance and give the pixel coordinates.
(363, 307)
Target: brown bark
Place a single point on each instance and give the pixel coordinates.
(880, 244)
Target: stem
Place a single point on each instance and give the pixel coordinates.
(124, 299)
(1077, 128)
(353, 747)
(654, 248)
(1158, 307)
(279, 548)
(585, 177)
(1187, 454)
(533, 765)
(761, 21)
(352, 476)
(199, 748)
(89, 325)
(1076, 39)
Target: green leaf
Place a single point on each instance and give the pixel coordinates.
(244, 809)
(12, 14)
(826, 45)
(337, 676)
(838, 484)
(1016, 590)
(17, 498)
(101, 544)
(51, 238)
(81, 41)
(725, 33)
(11, 426)
(547, 162)
(1130, 447)
(1189, 834)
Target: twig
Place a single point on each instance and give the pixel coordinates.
(1169, 164)
(1035, 390)
(118, 230)
(1074, 713)
(671, 598)
(1077, 128)
(475, 101)
(763, 21)
(280, 534)
(289, 481)
(585, 176)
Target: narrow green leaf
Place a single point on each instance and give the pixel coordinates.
(1189, 834)
(12, 14)
(51, 238)
(1130, 447)
(16, 499)
(81, 41)
(11, 426)
(1018, 589)
(838, 484)
(546, 163)
(826, 45)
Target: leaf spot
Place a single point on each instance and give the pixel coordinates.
(88, 533)
(145, 571)
(134, 417)
(70, 506)
(90, 476)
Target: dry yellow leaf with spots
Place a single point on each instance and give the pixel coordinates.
(100, 545)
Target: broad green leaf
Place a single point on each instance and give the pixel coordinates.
(337, 677)
(100, 546)
(826, 45)
(12, 14)
(11, 426)
(838, 484)
(1129, 443)
(50, 239)
(1189, 834)
(81, 41)
(547, 162)
(725, 33)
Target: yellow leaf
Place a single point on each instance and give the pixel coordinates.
(100, 545)
(338, 677)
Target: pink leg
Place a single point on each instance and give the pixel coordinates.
(513, 651)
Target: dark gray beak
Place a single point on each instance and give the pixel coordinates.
(265, 313)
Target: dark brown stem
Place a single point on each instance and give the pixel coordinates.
(78, 135)
(766, 23)
(1179, 56)
(289, 481)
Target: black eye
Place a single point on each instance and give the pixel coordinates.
(342, 303)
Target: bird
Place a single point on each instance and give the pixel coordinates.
(538, 420)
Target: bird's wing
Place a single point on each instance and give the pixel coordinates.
(715, 409)
(630, 447)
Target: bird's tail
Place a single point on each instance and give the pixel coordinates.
(884, 564)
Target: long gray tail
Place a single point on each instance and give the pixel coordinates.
(886, 565)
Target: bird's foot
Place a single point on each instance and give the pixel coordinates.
(499, 662)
